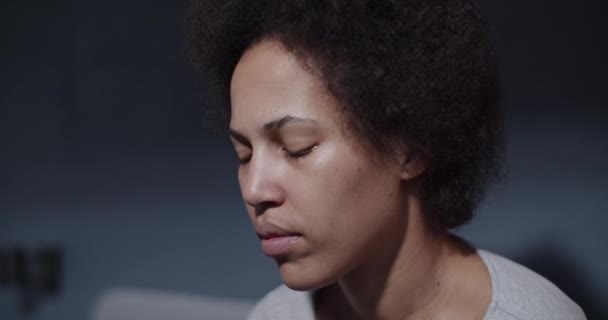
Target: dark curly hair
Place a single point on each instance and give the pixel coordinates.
(418, 72)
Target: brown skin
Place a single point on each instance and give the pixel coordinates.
(364, 244)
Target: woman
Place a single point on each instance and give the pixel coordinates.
(365, 131)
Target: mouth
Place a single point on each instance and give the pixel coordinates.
(271, 236)
(279, 246)
(276, 241)
(268, 230)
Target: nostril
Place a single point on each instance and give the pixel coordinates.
(259, 211)
(262, 207)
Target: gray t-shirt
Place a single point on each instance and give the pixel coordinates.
(517, 294)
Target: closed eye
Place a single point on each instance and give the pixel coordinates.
(244, 160)
(299, 153)
(289, 154)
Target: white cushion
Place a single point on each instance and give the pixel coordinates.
(140, 304)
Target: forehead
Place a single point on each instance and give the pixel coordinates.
(269, 82)
(270, 60)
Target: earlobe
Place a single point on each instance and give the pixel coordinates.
(411, 167)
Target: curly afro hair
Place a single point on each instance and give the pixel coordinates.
(417, 72)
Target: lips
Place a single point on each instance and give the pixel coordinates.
(276, 241)
(267, 230)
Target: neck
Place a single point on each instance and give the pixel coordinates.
(407, 279)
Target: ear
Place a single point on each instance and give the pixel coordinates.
(411, 165)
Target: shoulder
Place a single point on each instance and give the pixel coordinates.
(284, 303)
(521, 294)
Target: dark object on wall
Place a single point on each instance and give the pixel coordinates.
(5, 271)
(36, 274)
(49, 272)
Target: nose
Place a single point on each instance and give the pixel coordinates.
(260, 182)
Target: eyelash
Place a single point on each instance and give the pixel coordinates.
(289, 154)
(300, 153)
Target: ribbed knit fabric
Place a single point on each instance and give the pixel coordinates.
(517, 294)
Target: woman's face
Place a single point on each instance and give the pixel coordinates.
(320, 202)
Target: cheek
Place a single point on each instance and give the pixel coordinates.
(343, 198)
(347, 213)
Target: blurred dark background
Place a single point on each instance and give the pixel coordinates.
(104, 154)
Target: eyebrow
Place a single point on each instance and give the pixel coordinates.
(270, 127)
(281, 122)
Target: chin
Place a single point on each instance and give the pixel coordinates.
(304, 276)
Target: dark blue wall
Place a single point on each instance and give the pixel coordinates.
(103, 153)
